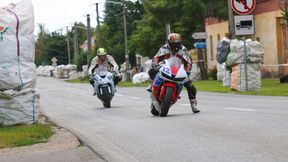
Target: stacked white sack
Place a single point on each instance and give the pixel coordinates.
(17, 49)
(19, 100)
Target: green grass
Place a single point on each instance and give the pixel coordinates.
(24, 135)
(130, 84)
(270, 87)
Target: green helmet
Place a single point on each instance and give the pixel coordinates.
(101, 52)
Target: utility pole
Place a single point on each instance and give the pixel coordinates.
(98, 27)
(125, 40)
(168, 30)
(88, 39)
(75, 42)
(231, 20)
(68, 45)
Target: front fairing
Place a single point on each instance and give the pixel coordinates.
(102, 79)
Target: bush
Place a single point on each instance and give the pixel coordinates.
(81, 59)
(212, 73)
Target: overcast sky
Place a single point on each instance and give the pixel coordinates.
(56, 14)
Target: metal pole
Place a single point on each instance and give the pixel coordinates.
(167, 27)
(88, 39)
(246, 66)
(98, 27)
(231, 20)
(125, 39)
(75, 42)
(68, 45)
(201, 64)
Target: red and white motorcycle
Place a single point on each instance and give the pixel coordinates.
(167, 87)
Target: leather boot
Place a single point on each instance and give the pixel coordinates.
(193, 103)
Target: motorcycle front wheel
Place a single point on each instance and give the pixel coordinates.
(106, 100)
(165, 104)
(153, 110)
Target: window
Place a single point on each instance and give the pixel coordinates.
(218, 37)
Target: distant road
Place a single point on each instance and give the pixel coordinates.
(229, 128)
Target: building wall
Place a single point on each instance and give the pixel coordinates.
(216, 31)
(266, 32)
(267, 27)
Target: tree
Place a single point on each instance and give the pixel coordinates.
(184, 16)
(40, 44)
(49, 45)
(284, 10)
(114, 29)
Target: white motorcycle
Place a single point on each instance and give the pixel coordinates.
(104, 87)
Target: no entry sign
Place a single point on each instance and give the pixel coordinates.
(243, 7)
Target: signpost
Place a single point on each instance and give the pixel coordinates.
(244, 24)
(243, 7)
(54, 61)
(199, 35)
(200, 45)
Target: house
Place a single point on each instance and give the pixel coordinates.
(270, 30)
(84, 46)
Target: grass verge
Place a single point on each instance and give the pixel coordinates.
(270, 87)
(24, 135)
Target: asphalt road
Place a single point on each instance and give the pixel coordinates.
(229, 128)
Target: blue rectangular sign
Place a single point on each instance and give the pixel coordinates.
(200, 45)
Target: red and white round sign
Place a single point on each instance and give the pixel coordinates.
(243, 7)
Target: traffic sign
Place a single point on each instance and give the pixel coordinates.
(200, 45)
(54, 60)
(244, 25)
(243, 7)
(199, 35)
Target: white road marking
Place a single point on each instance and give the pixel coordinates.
(136, 98)
(239, 109)
(132, 97)
(185, 105)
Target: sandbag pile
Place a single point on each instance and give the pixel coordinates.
(141, 77)
(223, 48)
(45, 71)
(63, 71)
(246, 70)
(231, 54)
(239, 81)
(195, 74)
(254, 49)
(19, 99)
(223, 75)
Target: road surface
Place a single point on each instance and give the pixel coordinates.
(229, 128)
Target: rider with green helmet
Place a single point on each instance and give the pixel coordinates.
(102, 62)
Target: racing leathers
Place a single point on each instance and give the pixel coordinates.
(182, 56)
(109, 64)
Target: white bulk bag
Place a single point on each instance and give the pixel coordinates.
(19, 107)
(17, 47)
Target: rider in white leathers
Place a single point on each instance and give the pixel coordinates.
(179, 54)
(104, 62)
